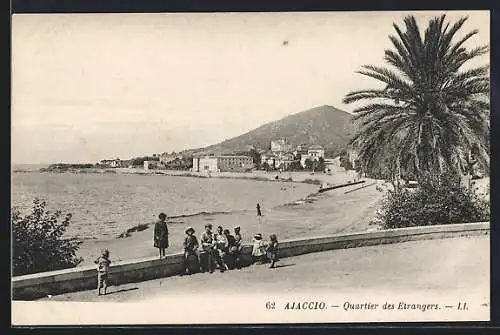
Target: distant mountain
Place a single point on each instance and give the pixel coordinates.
(325, 125)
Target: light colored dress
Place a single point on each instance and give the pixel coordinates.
(259, 248)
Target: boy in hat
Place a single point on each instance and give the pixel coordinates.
(221, 245)
(190, 247)
(237, 237)
(208, 244)
(103, 262)
(238, 244)
(259, 249)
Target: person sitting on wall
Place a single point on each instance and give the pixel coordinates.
(238, 244)
(207, 254)
(231, 250)
(221, 249)
(191, 263)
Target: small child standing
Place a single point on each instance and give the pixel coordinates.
(259, 249)
(272, 250)
(103, 264)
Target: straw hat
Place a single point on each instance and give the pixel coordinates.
(209, 225)
(237, 227)
(190, 229)
(258, 236)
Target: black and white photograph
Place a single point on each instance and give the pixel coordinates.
(250, 168)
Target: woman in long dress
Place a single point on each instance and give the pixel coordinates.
(161, 234)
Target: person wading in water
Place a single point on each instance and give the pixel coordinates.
(161, 234)
(259, 213)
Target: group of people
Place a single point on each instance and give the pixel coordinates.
(214, 250)
(220, 250)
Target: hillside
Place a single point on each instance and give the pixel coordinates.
(324, 125)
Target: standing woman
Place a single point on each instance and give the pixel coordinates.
(161, 234)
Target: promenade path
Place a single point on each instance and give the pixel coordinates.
(453, 265)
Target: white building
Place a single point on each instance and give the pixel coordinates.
(166, 158)
(222, 163)
(280, 145)
(314, 153)
(151, 165)
(113, 163)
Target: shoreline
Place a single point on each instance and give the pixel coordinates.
(321, 213)
(308, 177)
(325, 213)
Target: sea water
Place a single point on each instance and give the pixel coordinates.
(105, 205)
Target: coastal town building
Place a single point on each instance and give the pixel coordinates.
(278, 161)
(314, 153)
(152, 165)
(112, 163)
(299, 151)
(282, 155)
(280, 145)
(166, 158)
(222, 164)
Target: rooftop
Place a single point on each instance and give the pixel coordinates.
(315, 147)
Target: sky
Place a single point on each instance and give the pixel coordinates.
(87, 87)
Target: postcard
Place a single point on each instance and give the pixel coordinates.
(250, 168)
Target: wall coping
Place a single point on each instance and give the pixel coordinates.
(89, 270)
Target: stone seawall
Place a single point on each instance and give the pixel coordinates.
(39, 285)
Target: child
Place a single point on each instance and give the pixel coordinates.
(190, 247)
(259, 249)
(272, 250)
(103, 263)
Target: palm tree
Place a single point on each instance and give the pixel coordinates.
(431, 113)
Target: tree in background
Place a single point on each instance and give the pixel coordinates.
(295, 166)
(265, 166)
(309, 164)
(256, 157)
(139, 161)
(430, 113)
(321, 166)
(38, 242)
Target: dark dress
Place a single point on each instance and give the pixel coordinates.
(272, 251)
(161, 235)
(191, 264)
(231, 251)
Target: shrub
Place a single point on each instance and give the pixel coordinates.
(432, 203)
(38, 243)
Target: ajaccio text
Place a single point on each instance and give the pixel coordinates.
(307, 305)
